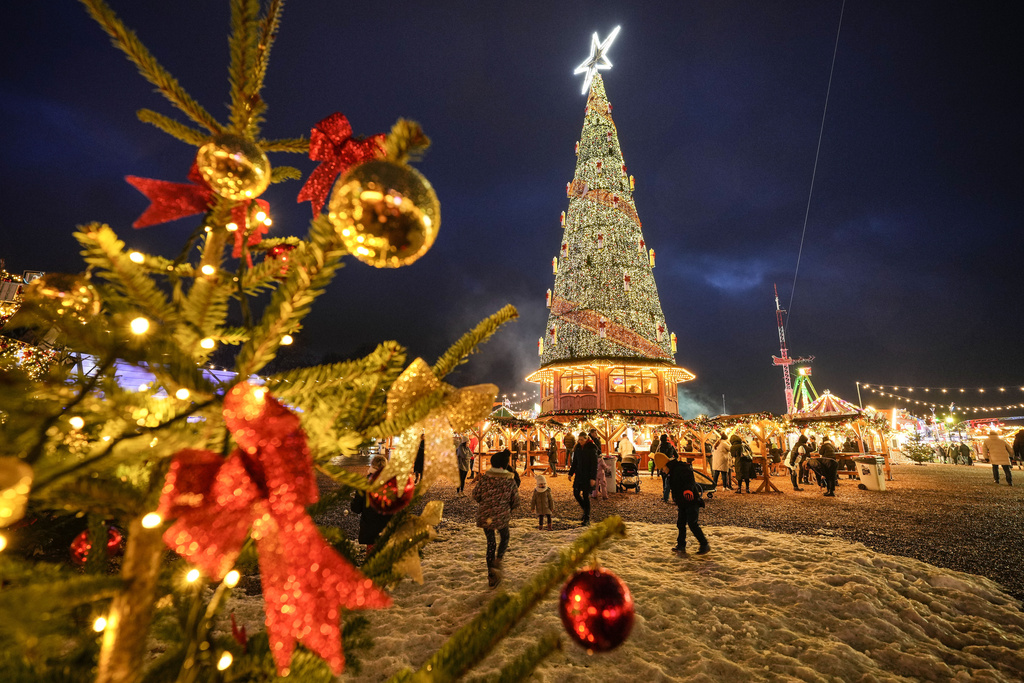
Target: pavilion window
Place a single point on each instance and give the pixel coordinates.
(632, 381)
(578, 381)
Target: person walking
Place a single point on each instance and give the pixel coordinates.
(666, 448)
(569, 441)
(584, 474)
(686, 495)
(743, 459)
(462, 455)
(1018, 448)
(795, 459)
(999, 453)
(553, 457)
(651, 450)
(371, 522)
(720, 462)
(543, 503)
(497, 493)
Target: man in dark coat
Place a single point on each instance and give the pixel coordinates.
(584, 474)
(686, 495)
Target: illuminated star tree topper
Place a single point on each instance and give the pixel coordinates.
(598, 60)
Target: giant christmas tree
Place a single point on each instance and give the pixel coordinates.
(606, 345)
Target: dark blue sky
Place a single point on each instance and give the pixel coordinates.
(912, 265)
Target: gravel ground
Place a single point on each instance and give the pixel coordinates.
(946, 515)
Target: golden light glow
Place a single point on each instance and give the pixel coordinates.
(152, 521)
(76, 422)
(286, 340)
(261, 216)
(208, 270)
(224, 661)
(3, 542)
(192, 576)
(231, 578)
(137, 257)
(207, 343)
(140, 325)
(231, 227)
(181, 394)
(99, 624)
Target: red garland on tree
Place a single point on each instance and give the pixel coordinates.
(596, 609)
(388, 500)
(264, 486)
(81, 546)
(332, 144)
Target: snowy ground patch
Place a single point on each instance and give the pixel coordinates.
(761, 606)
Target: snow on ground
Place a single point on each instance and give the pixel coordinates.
(761, 606)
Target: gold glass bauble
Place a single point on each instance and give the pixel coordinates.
(386, 213)
(234, 167)
(61, 297)
(15, 482)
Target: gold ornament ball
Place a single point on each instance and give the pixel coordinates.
(63, 297)
(15, 483)
(386, 213)
(234, 167)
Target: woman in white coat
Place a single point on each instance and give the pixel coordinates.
(721, 463)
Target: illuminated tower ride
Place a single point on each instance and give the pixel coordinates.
(785, 361)
(606, 346)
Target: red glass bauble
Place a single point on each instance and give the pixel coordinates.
(280, 254)
(596, 609)
(389, 500)
(80, 546)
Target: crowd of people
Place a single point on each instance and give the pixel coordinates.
(592, 473)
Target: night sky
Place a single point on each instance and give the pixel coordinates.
(913, 259)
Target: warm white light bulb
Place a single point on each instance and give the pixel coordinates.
(137, 257)
(152, 521)
(99, 624)
(206, 343)
(225, 661)
(261, 216)
(231, 227)
(3, 542)
(76, 422)
(140, 325)
(181, 394)
(192, 576)
(231, 578)
(286, 340)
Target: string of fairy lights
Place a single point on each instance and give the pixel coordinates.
(521, 398)
(950, 397)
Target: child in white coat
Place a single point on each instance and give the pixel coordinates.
(543, 502)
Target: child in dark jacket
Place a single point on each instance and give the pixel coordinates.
(543, 502)
(687, 497)
(498, 494)
(371, 522)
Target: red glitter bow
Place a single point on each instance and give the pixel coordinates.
(170, 201)
(331, 143)
(265, 485)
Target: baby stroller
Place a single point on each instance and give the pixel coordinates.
(629, 477)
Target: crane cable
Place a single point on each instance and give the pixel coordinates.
(821, 131)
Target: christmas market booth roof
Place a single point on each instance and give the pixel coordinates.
(672, 371)
(637, 417)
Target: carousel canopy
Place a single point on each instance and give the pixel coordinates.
(828, 405)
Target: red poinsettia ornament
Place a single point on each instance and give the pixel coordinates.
(263, 488)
